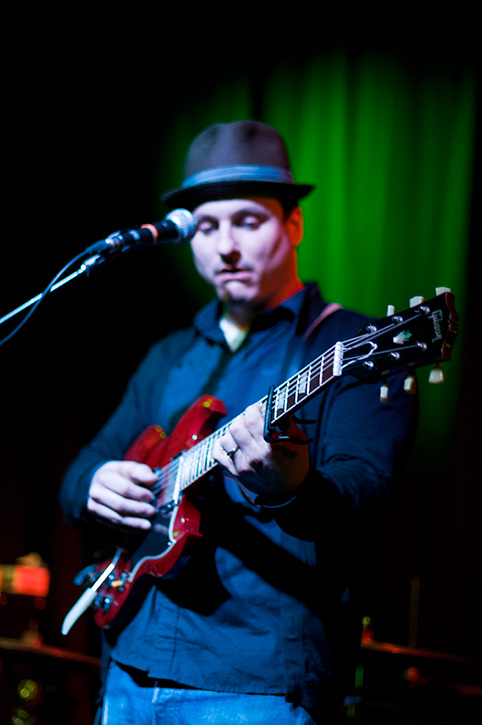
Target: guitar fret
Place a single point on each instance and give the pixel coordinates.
(280, 402)
(197, 461)
(209, 461)
(203, 461)
(292, 397)
(189, 462)
(321, 375)
(283, 405)
(303, 382)
(317, 379)
(329, 369)
(312, 381)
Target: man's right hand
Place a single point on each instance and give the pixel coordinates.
(120, 494)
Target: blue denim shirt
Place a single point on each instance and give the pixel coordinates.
(262, 606)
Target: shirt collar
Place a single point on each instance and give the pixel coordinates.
(302, 307)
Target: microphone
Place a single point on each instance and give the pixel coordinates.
(178, 227)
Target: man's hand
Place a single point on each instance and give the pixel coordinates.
(269, 469)
(119, 494)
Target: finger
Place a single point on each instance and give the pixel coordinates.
(138, 472)
(107, 514)
(223, 452)
(247, 430)
(119, 479)
(229, 444)
(253, 417)
(119, 484)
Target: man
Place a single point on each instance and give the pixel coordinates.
(258, 626)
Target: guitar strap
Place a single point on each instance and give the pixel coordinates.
(329, 309)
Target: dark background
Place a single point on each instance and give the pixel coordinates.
(82, 151)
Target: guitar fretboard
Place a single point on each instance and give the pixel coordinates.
(286, 399)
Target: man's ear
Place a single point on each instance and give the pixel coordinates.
(295, 226)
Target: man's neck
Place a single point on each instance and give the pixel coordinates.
(234, 333)
(241, 316)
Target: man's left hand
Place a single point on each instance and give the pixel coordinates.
(272, 470)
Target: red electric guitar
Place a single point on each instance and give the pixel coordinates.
(419, 336)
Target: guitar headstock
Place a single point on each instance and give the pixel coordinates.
(422, 335)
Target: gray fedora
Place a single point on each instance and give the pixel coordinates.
(228, 159)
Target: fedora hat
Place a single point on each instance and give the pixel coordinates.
(228, 159)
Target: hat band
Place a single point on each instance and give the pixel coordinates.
(239, 173)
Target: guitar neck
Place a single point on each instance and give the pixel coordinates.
(286, 399)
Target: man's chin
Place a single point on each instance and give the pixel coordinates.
(235, 293)
(241, 307)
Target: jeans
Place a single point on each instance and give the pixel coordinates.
(128, 703)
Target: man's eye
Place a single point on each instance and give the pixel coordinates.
(206, 227)
(250, 222)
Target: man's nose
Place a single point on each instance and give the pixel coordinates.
(227, 245)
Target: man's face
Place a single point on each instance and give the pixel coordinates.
(246, 249)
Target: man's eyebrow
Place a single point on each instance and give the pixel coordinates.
(244, 211)
(262, 213)
(205, 217)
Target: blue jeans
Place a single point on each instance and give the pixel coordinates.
(127, 703)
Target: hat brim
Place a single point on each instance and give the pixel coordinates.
(191, 197)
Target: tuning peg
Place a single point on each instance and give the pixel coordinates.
(442, 290)
(410, 385)
(383, 393)
(416, 300)
(390, 310)
(436, 375)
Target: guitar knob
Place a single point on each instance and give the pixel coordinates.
(442, 290)
(410, 385)
(436, 375)
(390, 310)
(416, 301)
(103, 603)
(106, 604)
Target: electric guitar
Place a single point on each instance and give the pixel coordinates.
(418, 336)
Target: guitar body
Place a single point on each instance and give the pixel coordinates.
(165, 547)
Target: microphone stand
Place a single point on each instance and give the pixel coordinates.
(85, 268)
(179, 226)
